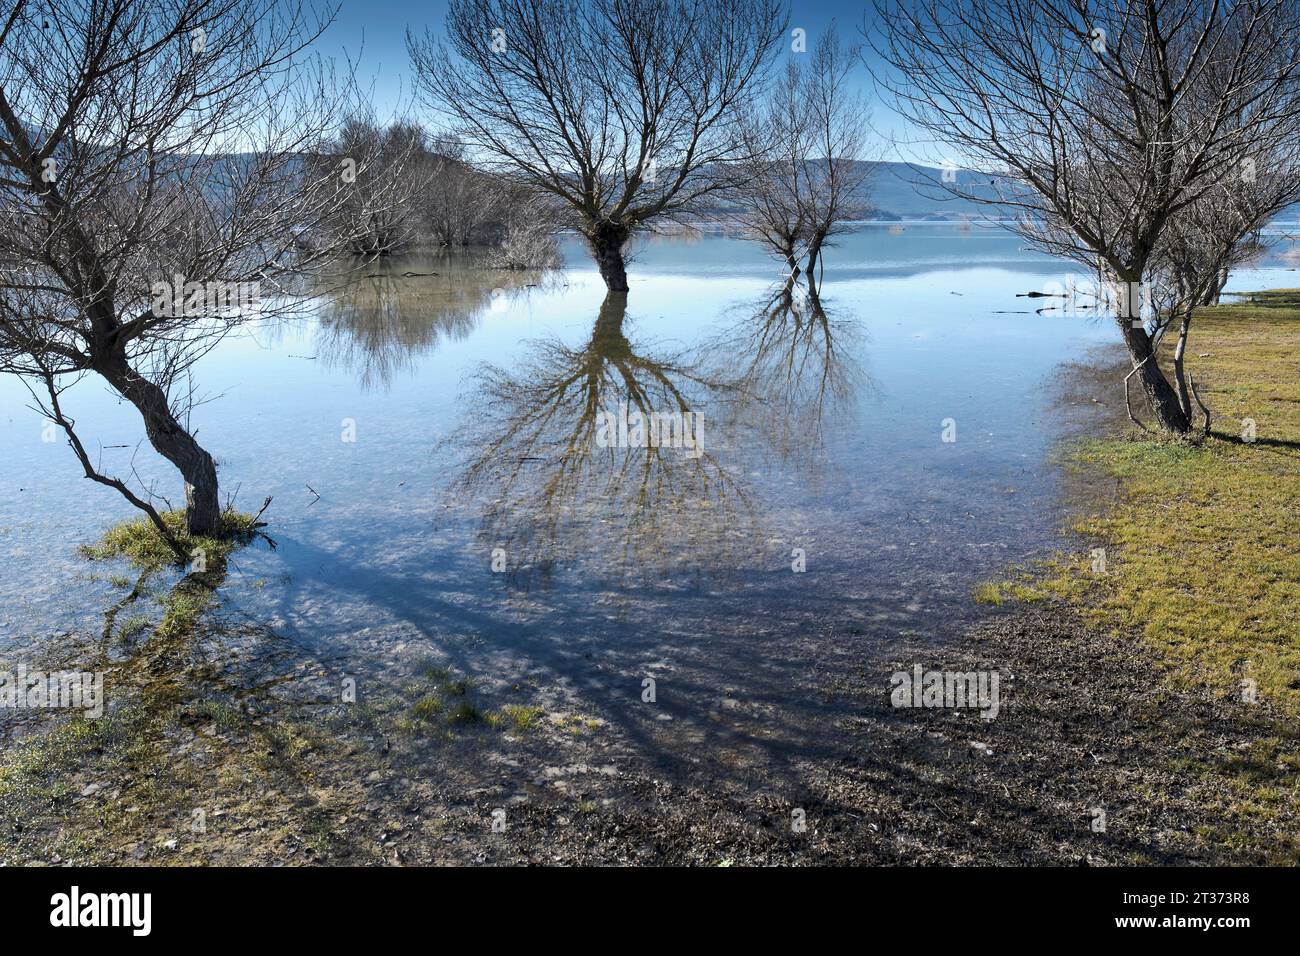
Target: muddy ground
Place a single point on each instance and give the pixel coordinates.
(1092, 760)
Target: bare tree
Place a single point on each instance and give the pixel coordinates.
(771, 191)
(398, 192)
(528, 237)
(1204, 242)
(804, 168)
(624, 110)
(837, 121)
(1113, 118)
(151, 192)
(462, 205)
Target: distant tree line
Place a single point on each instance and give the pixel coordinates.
(445, 200)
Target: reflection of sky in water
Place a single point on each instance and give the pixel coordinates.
(897, 526)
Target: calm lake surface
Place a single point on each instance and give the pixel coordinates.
(472, 395)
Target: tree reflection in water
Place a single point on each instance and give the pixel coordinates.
(795, 369)
(380, 318)
(550, 493)
(532, 471)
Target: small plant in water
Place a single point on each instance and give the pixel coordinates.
(516, 715)
(428, 708)
(140, 543)
(133, 625)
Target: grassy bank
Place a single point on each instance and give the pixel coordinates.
(1202, 542)
(1202, 575)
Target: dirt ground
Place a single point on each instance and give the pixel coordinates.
(1086, 727)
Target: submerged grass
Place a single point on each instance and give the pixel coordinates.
(518, 716)
(450, 701)
(125, 787)
(150, 766)
(127, 750)
(1201, 553)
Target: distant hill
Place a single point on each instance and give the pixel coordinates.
(898, 191)
(911, 191)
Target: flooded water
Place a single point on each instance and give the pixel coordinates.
(433, 445)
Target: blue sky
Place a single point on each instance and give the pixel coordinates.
(375, 30)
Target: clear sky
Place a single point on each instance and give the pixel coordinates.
(375, 31)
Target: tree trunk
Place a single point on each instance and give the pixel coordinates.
(814, 250)
(1215, 292)
(815, 255)
(792, 262)
(607, 240)
(1180, 372)
(1161, 397)
(169, 439)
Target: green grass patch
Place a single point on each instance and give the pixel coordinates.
(134, 625)
(428, 709)
(182, 607)
(518, 716)
(140, 543)
(998, 593)
(449, 700)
